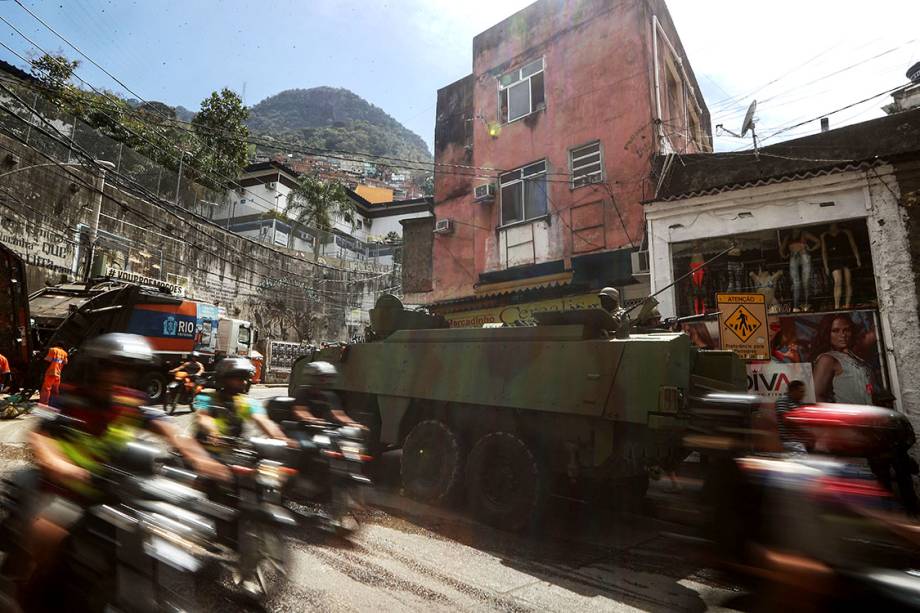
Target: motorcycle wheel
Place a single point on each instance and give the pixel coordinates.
(262, 567)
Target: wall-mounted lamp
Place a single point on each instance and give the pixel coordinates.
(494, 128)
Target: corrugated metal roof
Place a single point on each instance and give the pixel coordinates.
(852, 147)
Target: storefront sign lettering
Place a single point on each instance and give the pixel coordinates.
(770, 380)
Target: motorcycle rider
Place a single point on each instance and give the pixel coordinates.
(316, 403)
(192, 365)
(90, 421)
(225, 411)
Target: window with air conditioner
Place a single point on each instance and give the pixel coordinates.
(587, 164)
(520, 92)
(523, 193)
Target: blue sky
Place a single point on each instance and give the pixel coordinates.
(799, 59)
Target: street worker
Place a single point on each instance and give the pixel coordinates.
(57, 359)
(226, 410)
(5, 374)
(98, 412)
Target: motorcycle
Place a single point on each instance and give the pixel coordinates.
(182, 390)
(254, 531)
(818, 530)
(335, 467)
(146, 524)
(343, 451)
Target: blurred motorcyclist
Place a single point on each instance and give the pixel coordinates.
(192, 365)
(315, 402)
(93, 418)
(225, 411)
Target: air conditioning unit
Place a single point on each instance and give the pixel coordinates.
(271, 184)
(640, 263)
(443, 226)
(484, 192)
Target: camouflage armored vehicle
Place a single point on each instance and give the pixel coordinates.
(511, 415)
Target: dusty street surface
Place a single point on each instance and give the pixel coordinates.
(410, 556)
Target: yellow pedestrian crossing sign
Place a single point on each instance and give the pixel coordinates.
(743, 325)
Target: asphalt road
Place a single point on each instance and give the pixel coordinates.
(410, 556)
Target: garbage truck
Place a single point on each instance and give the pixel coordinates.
(506, 417)
(66, 315)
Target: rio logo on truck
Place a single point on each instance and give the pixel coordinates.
(184, 327)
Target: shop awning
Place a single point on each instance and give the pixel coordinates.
(507, 287)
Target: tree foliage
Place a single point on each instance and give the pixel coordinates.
(216, 145)
(53, 71)
(315, 203)
(221, 134)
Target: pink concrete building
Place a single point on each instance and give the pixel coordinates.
(543, 156)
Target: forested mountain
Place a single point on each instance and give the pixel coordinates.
(335, 118)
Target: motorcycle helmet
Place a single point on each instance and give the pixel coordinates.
(320, 373)
(233, 367)
(129, 353)
(129, 350)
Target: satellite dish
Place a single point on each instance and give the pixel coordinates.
(749, 119)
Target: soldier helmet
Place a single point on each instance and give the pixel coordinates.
(233, 367)
(119, 348)
(610, 292)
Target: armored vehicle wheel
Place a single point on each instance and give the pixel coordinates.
(432, 462)
(627, 493)
(505, 482)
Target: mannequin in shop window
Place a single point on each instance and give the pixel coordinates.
(735, 266)
(840, 255)
(765, 283)
(697, 279)
(796, 247)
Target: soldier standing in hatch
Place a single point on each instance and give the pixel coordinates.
(610, 302)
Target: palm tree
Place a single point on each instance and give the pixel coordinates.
(314, 203)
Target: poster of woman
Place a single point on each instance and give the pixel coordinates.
(841, 356)
(842, 348)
